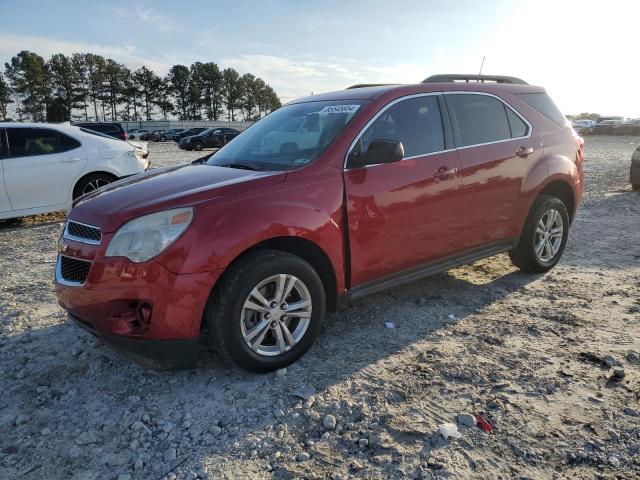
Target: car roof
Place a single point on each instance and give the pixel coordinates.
(400, 90)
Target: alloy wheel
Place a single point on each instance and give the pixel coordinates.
(94, 185)
(548, 236)
(276, 315)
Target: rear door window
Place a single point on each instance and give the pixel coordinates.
(416, 122)
(480, 118)
(26, 142)
(544, 105)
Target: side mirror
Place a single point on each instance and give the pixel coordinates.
(379, 151)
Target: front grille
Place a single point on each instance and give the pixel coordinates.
(83, 231)
(73, 269)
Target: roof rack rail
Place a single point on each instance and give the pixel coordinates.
(363, 85)
(457, 77)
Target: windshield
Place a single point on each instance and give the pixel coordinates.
(289, 138)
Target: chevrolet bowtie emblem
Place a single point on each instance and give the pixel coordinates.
(62, 246)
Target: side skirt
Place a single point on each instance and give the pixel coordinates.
(426, 270)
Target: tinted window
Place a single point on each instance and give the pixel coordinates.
(26, 142)
(543, 104)
(518, 127)
(481, 119)
(415, 122)
(67, 143)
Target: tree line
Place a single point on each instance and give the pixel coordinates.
(86, 86)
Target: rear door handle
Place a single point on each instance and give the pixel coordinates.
(70, 160)
(522, 152)
(444, 172)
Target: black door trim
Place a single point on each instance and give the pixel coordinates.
(426, 270)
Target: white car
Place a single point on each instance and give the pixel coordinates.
(44, 167)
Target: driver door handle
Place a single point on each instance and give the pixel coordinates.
(522, 152)
(444, 172)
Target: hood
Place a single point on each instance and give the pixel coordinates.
(162, 189)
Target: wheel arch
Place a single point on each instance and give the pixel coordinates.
(87, 174)
(562, 190)
(303, 248)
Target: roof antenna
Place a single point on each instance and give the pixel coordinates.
(481, 65)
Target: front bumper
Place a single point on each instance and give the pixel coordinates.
(156, 354)
(143, 309)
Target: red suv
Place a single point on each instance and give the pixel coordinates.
(330, 198)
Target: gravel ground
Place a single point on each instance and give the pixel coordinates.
(551, 362)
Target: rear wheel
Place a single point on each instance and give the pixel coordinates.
(163, 138)
(92, 182)
(267, 311)
(544, 236)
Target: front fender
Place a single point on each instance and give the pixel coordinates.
(225, 230)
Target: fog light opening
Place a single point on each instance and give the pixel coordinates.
(145, 314)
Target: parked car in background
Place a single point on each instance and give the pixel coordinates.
(189, 132)
(46, 166)
(147, 136)
(634, 175)
(210, 138)
(584, 124)
(252, 247)
(136, 133)
(610, 123)
(605, 119)
(114, 130)
(165, 135)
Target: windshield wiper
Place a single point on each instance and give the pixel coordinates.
(241, 166)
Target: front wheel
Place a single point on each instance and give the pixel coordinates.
(544, 236)
(267, 311)
(198, 147)
(163, 138)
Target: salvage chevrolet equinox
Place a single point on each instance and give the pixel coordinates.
(330, 198)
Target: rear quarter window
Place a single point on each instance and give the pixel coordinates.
(544, 105)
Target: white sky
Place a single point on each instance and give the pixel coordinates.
(585, 53)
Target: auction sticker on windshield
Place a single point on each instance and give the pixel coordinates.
(340, 109)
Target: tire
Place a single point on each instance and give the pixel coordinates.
(198, 147)
(163, 138)
(92, 182)
(525, 256)
(635, 187)
(228, 321)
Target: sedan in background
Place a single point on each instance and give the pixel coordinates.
(147, 136)
(634, 175)
(211, 138)
(136, 133)
(165, 135)
(189, 132)
(44, 167)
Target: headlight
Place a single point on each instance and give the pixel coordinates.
(145, 237)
